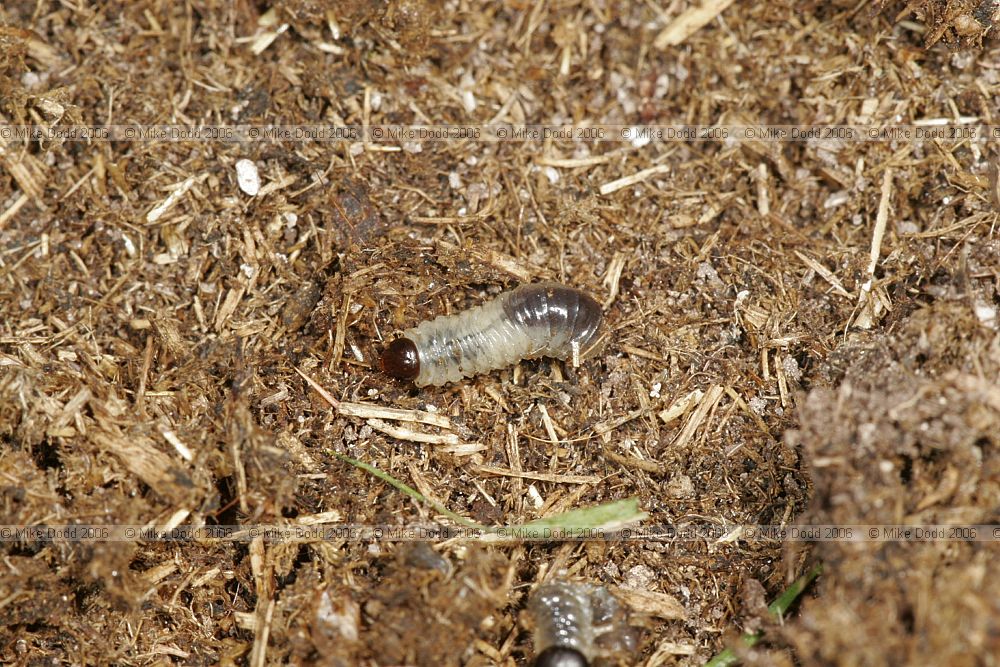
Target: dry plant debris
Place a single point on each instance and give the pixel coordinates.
(800, 330)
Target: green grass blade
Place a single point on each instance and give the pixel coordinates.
(778, 608)
(608, 516)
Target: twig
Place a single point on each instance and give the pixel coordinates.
(638, 177)
(541, 476)
(869, 305)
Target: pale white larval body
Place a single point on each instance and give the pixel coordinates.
(563, 616)
(536, 320)
(581, 617)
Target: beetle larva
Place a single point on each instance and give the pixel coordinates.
(537, 320)
(578, 625)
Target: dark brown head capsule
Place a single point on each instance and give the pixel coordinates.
(400, 360)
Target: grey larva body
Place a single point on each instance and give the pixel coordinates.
(577, 624)
(531, 321)
(563, 619)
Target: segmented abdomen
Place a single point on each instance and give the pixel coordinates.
(574, 623)
(531, 321)
(563, 620)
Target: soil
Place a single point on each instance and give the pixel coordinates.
(158, 325)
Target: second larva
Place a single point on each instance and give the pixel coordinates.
(537, 320)
(578, 625)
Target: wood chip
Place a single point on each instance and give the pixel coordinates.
(652, 603)
(689, 22)
(707, 402)
(612, 278)
(372, 411)
(179, 191)
(142, 458)
(520, 269)
(681, 406)
(332, 516)
(403, 433)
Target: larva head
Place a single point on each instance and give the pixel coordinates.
(400, 360)
(560, 656)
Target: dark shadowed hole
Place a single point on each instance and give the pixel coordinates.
(46, 455)
(906, 471)
(228, 513)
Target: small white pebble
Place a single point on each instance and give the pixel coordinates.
(536, 497)
(468, 101)
(454, 180)
(639, 139)
(655, 391)
(640, 577)
(247, 177)
(680, 486)
(707, 272)
(662, 86)
(552, 174)
(467, 86)
(986, 314)
(30, 79)
(838, 198)
(291, 218)
(412, 147)
(791, 368)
